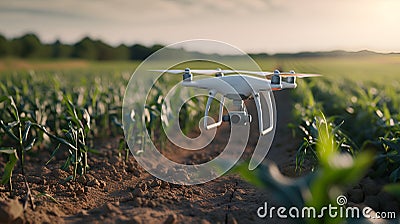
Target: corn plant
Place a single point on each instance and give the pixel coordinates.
(76, 134)
(388, 160)
(158, 111)
(122, 146)
(310, 130)
(16, 130)
(335, 172)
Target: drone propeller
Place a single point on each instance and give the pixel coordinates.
(172, 71)
(299, 75)
(197, 71)
(212, 71)
(286, 74)
(215, 71)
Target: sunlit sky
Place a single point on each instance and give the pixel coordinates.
(269, 26)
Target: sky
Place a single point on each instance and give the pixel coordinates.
(270, 26)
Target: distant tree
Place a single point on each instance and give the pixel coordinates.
(60, 50)
(121, 52)
(139, 52)
(15, 47)
(85, 49)
(28, 46)
(45, 51)
(104, 51)
(4, 46)
(156, 47)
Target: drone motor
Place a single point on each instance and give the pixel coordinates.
(187, 75)
(219, 73)
(276, 78)
(291, 79)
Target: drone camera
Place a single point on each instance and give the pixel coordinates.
(239, 118)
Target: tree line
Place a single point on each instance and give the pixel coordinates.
(30, 46)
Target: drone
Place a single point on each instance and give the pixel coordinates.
(238, 86)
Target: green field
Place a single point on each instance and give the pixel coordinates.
(353, 109)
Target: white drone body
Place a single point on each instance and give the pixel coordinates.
(238, 87)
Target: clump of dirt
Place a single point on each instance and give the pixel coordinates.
(11, 211)
(369, 193)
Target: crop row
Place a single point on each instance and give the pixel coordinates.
(41, 111)
(365, 114)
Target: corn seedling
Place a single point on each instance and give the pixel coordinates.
(18, 131)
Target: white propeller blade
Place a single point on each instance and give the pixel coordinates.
(169, 71)
(214, 71)
(298, 75)
(260, 73)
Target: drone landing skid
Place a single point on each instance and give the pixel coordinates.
(260, 113)
(221, 110)
(240, 117)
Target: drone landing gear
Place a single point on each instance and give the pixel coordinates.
(268, 99)
(241, 117)
(221, 110)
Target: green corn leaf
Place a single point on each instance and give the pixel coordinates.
(395, 175)
(42, 194)
(12, 124)
(67, 163)
(26, 131)
(7, 150)
(30, 145)
(94, 151)
(69, 178)
(116, 122)
(53, 154)
(8, 131)
(3, 98)
(393, 189)
(86, 117)
(8, 169)
(393, 144)
(15, 109)
(58, 139)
